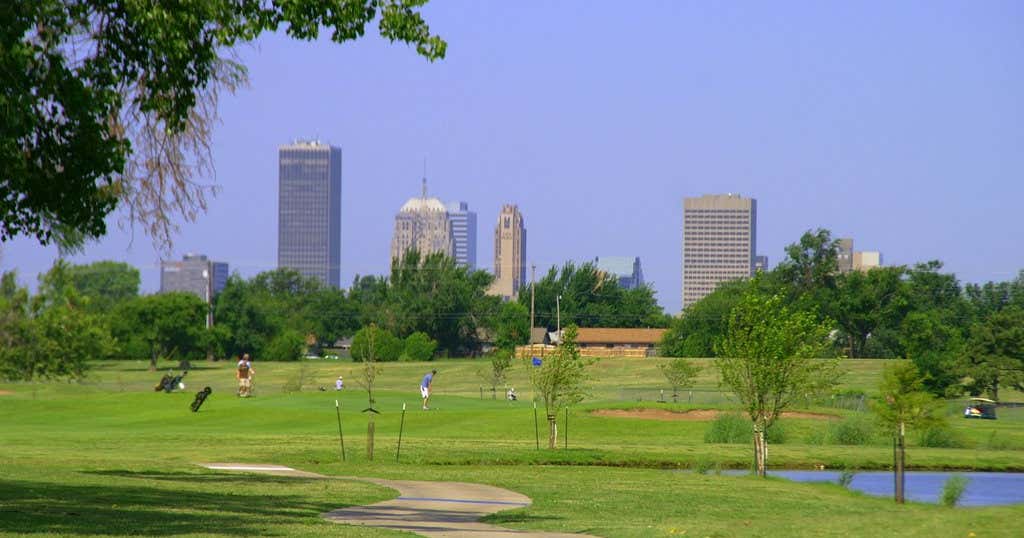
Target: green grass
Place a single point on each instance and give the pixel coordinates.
(108, 456)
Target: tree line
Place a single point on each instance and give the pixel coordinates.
(962, 338)
(427, 306)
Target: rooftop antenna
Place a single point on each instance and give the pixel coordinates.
(424, 178)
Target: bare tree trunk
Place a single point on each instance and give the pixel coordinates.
(370, 428)
(760, 450)
(899, 463)
(552, 430)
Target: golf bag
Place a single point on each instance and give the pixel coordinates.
(169, 383)
(200, 398)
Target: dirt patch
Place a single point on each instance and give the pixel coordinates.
(693, 414)
(5, 393)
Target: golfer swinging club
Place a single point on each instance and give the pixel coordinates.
(425, 388)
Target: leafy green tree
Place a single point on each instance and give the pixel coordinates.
(995, 353)
(934, 342)
(419, 347)
(250, 317)
(511, 326)
(288, 345)
(561, 380)
(903, 403)
(810, 267)
(111, 103)
(51, 339)
(767, 359)
(864, 302)
(166, 325)
(432, 294)
(591, 298)
(376, 343)
(105, 283)
(680, 373)
(695, 331)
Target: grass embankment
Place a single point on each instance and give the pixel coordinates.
(110, 456)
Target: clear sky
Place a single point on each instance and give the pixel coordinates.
(899, 124)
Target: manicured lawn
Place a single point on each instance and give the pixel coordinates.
(110, 456)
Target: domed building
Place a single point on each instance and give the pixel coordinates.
(422, 224)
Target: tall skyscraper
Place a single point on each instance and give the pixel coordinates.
(719, 242)
(760, 263)
(623, 268)
(195, 274)
(422, 224)
(509, 253)
(464, 233)
(309, 210)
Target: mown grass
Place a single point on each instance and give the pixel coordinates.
(111, 457)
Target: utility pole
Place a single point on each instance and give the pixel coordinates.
(558, 317)
(533, 294)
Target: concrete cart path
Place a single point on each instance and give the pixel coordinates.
(433, 509)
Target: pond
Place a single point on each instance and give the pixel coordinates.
(983, 489)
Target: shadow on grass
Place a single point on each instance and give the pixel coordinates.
(516, 517)
(221, 478)
(31, 507)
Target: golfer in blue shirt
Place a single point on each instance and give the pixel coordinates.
(425, 388)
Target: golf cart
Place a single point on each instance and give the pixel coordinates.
(980, 408)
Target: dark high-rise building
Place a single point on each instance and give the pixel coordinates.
(463, 233)
(309, 210)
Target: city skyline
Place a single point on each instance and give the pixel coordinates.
(906, 141)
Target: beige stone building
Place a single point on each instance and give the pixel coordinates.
(422, 224)
(866, 259)
(719, 242)
(509, 253)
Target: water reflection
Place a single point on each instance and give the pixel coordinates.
(984, 489)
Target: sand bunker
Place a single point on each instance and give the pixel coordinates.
(5, 393)
(693, 414)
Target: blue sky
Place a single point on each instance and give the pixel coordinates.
(899, 124)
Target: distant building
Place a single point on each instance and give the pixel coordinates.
(868, 259)
(849, 260)
(761, 263)
(309, 210)
(623, 268)
(195, 274)
(719, 242)
(463, 234)
(422, 224)
(509, 253)
(844, 254)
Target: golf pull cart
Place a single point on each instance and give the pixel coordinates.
(980, 408)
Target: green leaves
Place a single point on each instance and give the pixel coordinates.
(767, 356)
(86, 82)
(903, 402)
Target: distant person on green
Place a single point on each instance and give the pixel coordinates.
(244, 373)
(425, 388)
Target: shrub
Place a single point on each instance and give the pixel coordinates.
(777, 433)
(953, 489)
(286, 346)
(702, 466)
(384, 345)
(852, 430)
(994, 442)
(419, 347)
(940, 437)
(729, 428)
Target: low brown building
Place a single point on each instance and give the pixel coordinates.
(603, 342)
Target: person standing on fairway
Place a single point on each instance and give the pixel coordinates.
(425, 389)
(244, 374)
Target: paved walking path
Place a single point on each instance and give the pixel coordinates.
(433, 509)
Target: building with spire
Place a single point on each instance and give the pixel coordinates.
(509, 253)
(422, 224)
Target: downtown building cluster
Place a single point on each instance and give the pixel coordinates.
(719, 236)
